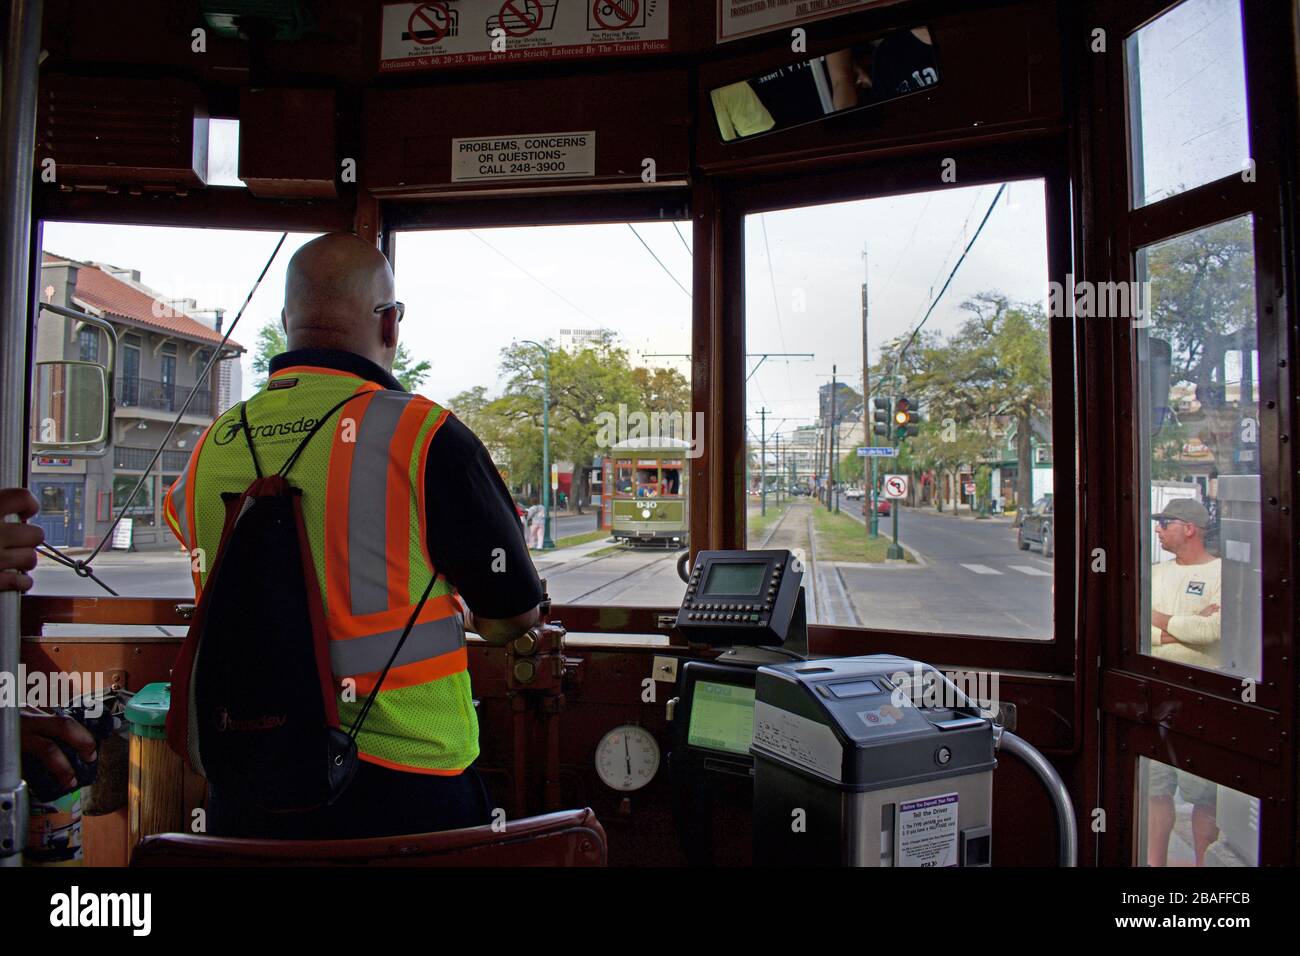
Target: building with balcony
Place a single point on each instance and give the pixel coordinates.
(164, 345)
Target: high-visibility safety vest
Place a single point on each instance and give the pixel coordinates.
(363, 504)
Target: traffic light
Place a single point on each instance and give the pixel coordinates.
(906, 419)
(881, 417)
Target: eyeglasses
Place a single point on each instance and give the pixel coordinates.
(399, 306)
(1164, 522)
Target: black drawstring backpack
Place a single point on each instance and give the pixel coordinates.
(254, 701)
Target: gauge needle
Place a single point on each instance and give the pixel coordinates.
(628, 754)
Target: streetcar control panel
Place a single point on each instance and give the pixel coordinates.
(742, 597)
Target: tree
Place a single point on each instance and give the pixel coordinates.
(1202, 314)
(996, 366)
(271, 342)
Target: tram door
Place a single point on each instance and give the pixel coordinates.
(61, 516)
(1198, 683)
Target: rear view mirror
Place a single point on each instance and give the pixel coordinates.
(70, 408)
(72, 401)
(897, 64)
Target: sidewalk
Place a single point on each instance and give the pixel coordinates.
(549, 559)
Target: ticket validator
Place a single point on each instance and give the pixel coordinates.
(852, 761)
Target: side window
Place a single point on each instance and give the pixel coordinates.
(1197, 343)
(88, 342)
(129, 383)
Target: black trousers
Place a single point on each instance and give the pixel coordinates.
(378, 802)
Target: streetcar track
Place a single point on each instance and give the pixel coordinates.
(639, 569)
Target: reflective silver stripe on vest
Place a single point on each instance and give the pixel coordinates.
(177, 493)
(368, 655)
(367, 504)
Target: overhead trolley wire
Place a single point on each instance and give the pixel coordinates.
(947, 282)
(566, 301)
(658, 260)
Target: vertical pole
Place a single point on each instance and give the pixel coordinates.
(867, 439)
(762, 462)
(830, 447)
(547, 541)
(17, 150)
(874, 522)
(777, 436)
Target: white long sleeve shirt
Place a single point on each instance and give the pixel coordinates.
(1182, 591)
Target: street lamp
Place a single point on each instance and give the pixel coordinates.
(547, 542)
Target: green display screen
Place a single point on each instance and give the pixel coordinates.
(733, 578)
(722, 717)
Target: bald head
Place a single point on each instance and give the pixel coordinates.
(334, 284)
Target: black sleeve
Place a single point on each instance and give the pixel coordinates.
(471, 515)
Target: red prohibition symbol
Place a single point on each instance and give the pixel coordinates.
(426, 18)
(615, 14)
(525, 17)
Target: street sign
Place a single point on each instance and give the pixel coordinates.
(877, 451)
(895, 486)
(969, 488)
(555, 477)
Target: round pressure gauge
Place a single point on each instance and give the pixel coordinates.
(627, 758)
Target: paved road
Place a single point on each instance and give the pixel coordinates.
(974, 579)
(565, 525)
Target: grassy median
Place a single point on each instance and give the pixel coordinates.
(757, 525)
(840, 538)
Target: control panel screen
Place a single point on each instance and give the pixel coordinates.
(722, 717)
(734, 578)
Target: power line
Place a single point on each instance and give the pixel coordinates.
(682, 238)
(776, 305)
(658, 260)
(928, 312)
(534, 278)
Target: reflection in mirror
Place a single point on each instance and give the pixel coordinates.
(70, 407)
(897, 64)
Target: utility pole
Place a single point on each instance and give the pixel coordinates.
(762, 463)
(777, 438)
(869, 499)
(830, 446)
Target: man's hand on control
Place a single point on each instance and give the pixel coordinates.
(40, 731)
(18, 541)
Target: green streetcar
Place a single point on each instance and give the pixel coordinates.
(644, 492)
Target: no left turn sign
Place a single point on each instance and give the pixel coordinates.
(895, 486)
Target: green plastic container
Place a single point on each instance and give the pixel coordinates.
(146, 714)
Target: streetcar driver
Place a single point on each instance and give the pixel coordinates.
(401, 491)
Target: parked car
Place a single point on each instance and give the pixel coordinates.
(1036, 527)
(883, 507)
(854, 493)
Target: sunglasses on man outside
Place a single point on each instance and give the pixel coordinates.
(399, 306)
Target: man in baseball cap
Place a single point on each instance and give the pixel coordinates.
(1185, 594)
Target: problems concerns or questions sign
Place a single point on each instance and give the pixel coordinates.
(451, 33)
(527, 156)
